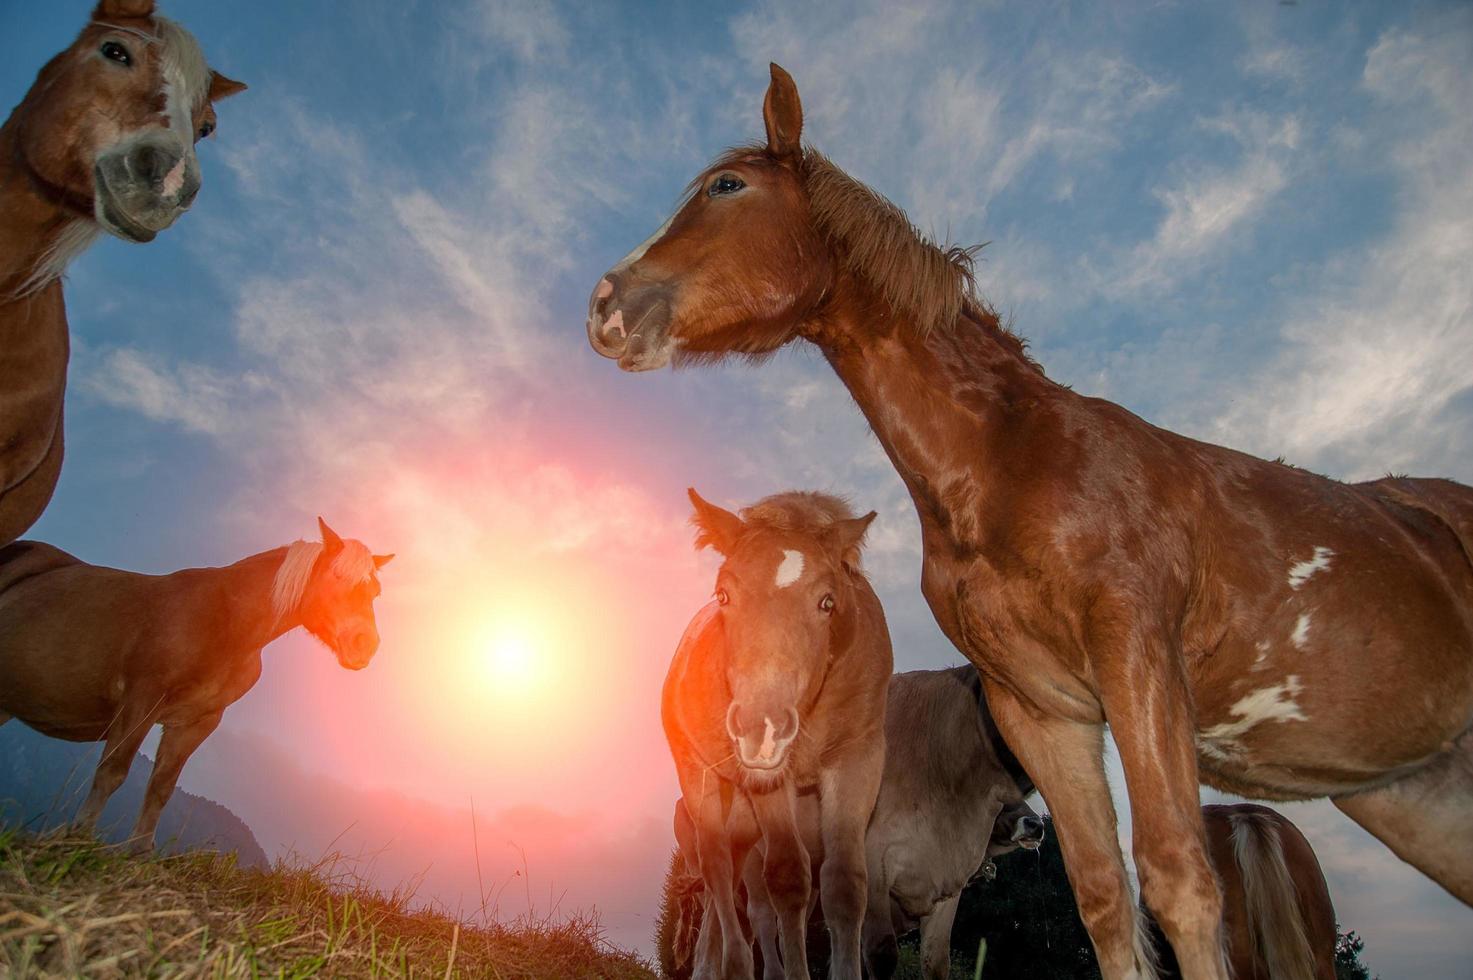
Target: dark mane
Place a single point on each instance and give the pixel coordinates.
(802, 511)
(932, 285)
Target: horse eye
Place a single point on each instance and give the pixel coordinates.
(205, 130)
(113, 51)
(826, 603)
(725, 184)
(721, 597)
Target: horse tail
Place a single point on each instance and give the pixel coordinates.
(1273, 908)
(680, 920)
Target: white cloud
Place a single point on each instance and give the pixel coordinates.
(1209, 207)
(1374, 360)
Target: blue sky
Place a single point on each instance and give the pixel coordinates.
(1251, 223)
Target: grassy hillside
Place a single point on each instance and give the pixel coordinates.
(71, 906)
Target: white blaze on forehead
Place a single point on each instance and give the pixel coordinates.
(1300, 636)
(790, 569)
(1301, 572)
(1273, 703)
(648, 244)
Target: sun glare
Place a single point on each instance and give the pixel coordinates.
(510, 653)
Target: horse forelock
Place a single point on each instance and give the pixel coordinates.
(354, 563)
(184, 65)
(802, 511)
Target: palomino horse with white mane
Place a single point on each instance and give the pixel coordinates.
(778, 686)
(103, 141)
(1272, 632)
(1278, 920)
(97, 654)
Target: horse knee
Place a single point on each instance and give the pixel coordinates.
(789, 881)
(1181, 890)
(844, 887)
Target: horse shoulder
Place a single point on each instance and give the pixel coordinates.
(34, 349)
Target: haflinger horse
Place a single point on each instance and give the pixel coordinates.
(102, 142)
(97, 654)
(951, 800)
(1272, 632)
(1277, 915)
(778, 686)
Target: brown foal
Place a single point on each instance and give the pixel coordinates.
(1237, 621)
(103, 141)
(779, 686)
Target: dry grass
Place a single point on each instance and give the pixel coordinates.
(71, 906)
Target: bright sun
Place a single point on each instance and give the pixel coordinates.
(510, 653)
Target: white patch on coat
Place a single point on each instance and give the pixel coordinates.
(790, 569)
(1300, 636)
(1302, 571)
(1262, 647)
(1273, 703)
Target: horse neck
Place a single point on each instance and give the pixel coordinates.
(31, 221)
(944, 402)
(251, 620)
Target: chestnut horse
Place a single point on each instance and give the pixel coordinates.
(1277, 914)
(779, 686)
(96, 654)
(103, 141)
(1272, 632)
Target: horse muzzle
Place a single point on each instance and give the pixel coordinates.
(143, 184)
(356, 650)
(631, 325)
(761, 742)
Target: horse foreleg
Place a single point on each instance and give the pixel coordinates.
(175, 748)
(1149, 707)
(124, 736)
(1066, 760)
(788, 874)
(1426, 818)
(846, 798)
(762, 916)
(714, 853)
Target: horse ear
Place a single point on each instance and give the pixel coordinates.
(782, 111)
(379, 561)
(715, 526)
(113, 9)
(848, 538)
(329, 537)
(223, 88)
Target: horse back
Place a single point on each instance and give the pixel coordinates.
(1442, 510)
(21, 560)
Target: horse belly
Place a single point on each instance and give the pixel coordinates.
(55, 677)
(1333, 696)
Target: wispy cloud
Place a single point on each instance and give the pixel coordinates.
(1371, 375)
(1209, 206)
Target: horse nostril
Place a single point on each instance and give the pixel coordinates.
(733, 722)
(149, 163)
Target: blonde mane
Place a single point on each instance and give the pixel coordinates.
(353, 564)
